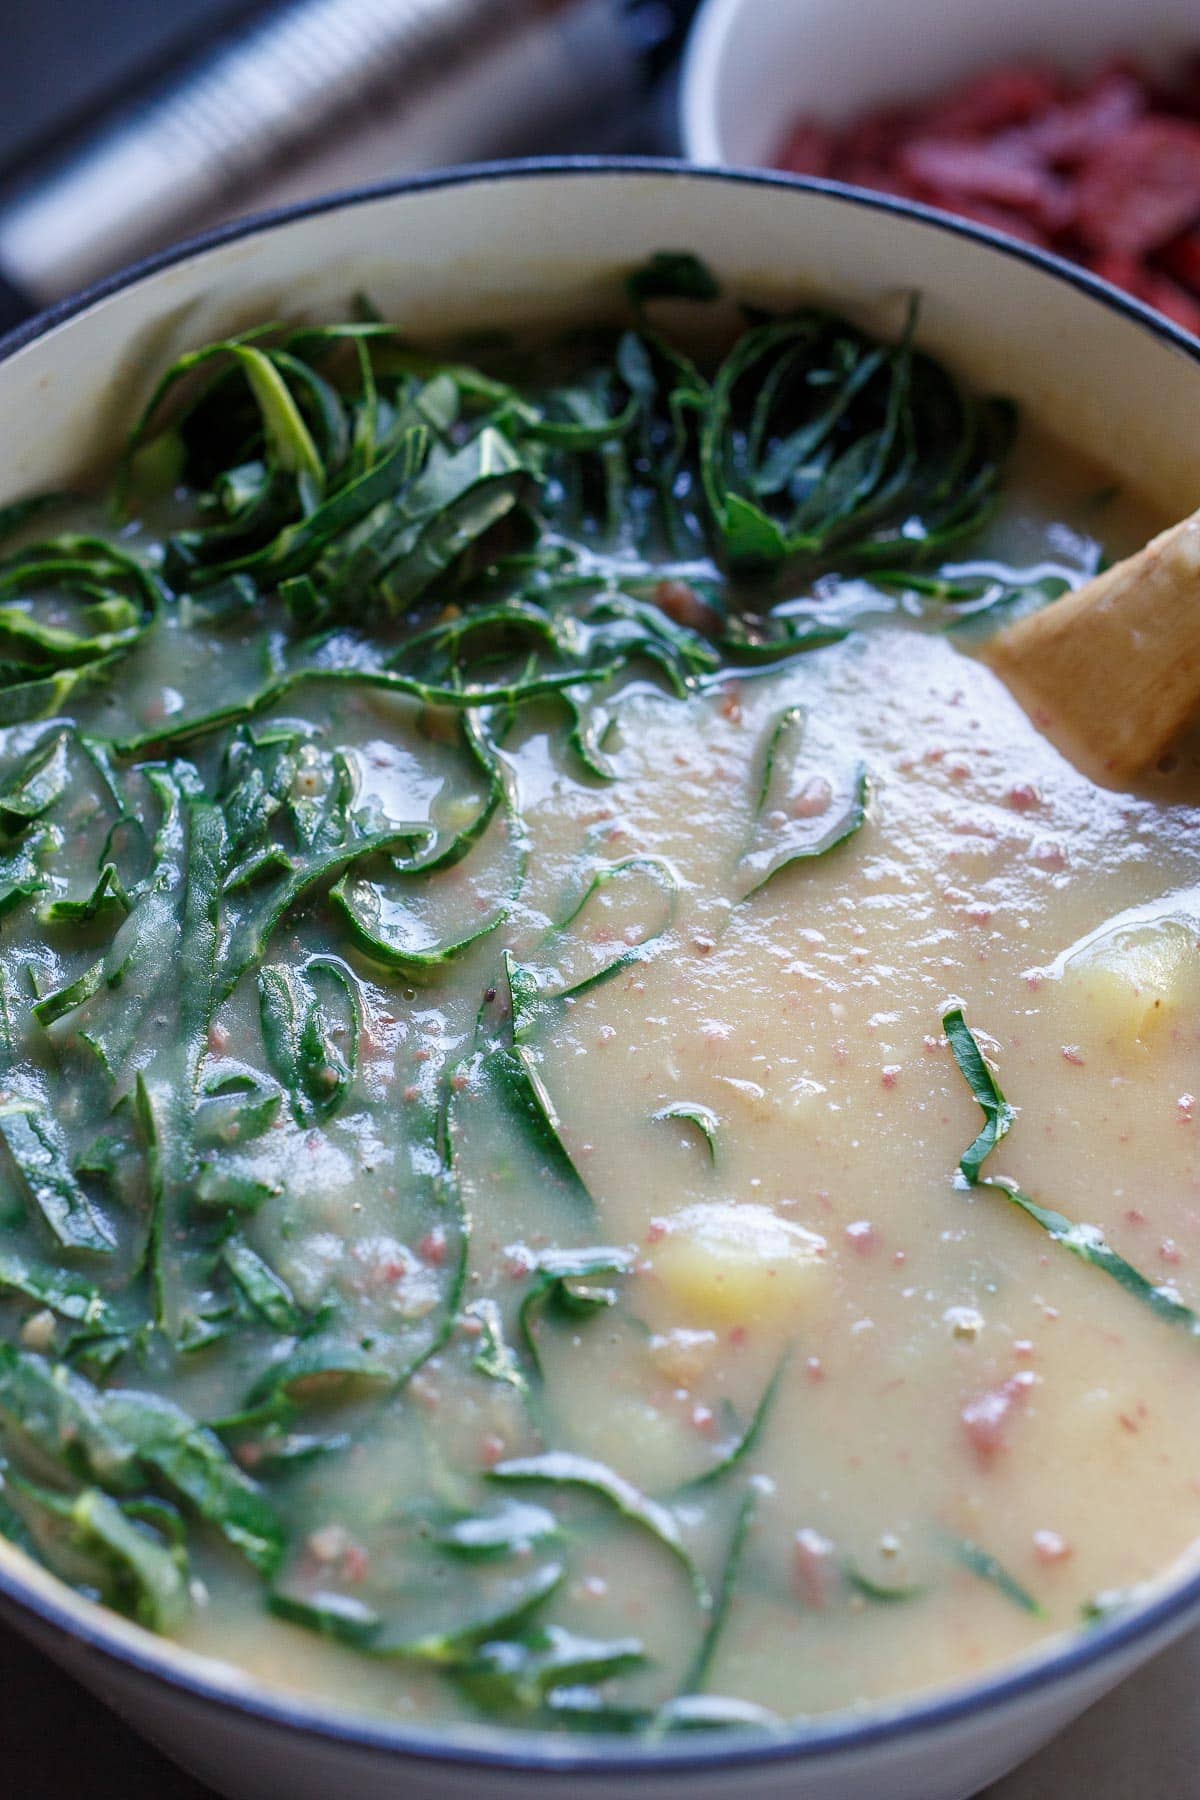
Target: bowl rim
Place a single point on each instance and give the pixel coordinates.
(700, 79)
(198, 1679)
(708, 53)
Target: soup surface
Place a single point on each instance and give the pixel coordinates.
(519, 897)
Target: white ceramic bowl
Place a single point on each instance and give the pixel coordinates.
(519, 242)
(754, 66)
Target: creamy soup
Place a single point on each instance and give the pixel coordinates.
(597, 1132)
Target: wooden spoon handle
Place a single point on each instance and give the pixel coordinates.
(1112, 671)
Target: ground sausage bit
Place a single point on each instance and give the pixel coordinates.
(680, 601)
(815, 1568)
(986, 1417)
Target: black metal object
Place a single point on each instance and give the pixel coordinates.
(67, 62)
(15, 305)
(306, 75)
(659, 28)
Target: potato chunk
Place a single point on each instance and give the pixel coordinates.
(721, 1264)
(1127, 984)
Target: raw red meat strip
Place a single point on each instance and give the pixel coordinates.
(1142, 188)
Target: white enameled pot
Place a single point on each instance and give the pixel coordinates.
(516, 243)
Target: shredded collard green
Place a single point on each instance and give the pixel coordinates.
(1087, 1242)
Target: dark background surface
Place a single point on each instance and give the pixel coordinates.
(57, 1743)
(63, 61)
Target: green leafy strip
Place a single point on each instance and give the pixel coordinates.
(110, 596)
(998, 1114)
(514, 1068)
(71, 1296)
(692, 1113)
(760, 867)
(137, 1573)
(870, 1589)
(982, 1564)
(743, 1445)
(1087, 1242)
(513, 1529)
(518, 1674)
(663, 874)
(303, 1041)
(495, 1357)
(362, 904)
(38, 1151)
(562, 1469)
(354, 1622)
(696, 1679)
(119, 1437)
(564, 1282)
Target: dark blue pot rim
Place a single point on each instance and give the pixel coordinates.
(801, 1742)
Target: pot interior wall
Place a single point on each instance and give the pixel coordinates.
(523, 247)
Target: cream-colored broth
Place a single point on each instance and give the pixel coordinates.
(946, 1373)
(808, 1020)
(811, 1027)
